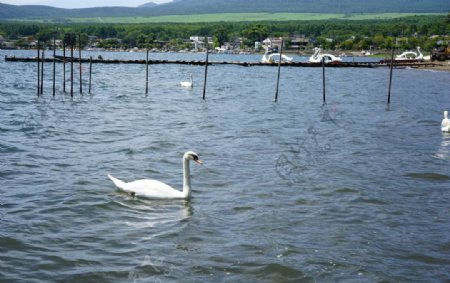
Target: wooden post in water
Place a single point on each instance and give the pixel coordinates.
(279, 70)
(390, 78)
(38, 69)
(71, 66)
(90, 73)
(146, 74)
(206, 68)
(42, 72)
(64, 65)
(79, 62)
(323, 80)
(54, 66)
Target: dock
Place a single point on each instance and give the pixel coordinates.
(371, 64)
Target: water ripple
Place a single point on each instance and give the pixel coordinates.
(293, 191)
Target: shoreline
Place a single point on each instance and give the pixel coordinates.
(439, 67)
(443, 66)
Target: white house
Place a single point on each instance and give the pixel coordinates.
(199, 41)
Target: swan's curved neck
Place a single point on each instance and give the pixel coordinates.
(186, 178)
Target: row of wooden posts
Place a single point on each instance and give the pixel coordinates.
(323, 77)
(40, 67)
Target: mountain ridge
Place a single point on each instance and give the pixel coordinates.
(188, 7)
(148, 5)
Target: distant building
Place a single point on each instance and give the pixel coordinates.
(299, 41)
(33, 44)
(273, 42)
(199, 41)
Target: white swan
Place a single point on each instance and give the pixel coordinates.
(445, 125)
(317, 57)
(157, 190)
(189, 83)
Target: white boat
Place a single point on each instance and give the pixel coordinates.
(317, 57)
(410, 55)
(270, 57)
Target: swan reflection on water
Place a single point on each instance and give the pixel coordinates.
(443, 151)
(158, 213)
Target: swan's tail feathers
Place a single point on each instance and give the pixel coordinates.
(119, 183)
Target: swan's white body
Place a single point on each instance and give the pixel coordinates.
(189, 83)
(317, 57)
(269, 58)
(158, 190)
(410, 55)
(445, 125)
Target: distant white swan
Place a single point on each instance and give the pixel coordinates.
(157, 190)
(410, 55)
(189, 83)
(317, 57)
(445, 125)
(269, 58)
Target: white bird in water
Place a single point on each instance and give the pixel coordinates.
(158, 190)
(189, 83)
(445, 125)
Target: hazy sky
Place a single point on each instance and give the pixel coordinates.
(82, 3)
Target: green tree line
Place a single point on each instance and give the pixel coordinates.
(330, 34)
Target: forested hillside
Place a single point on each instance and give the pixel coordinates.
(406, 33)
(187, 7)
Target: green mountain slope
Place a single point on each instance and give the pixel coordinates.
(188, 7)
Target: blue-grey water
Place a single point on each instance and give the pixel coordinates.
(292, 191)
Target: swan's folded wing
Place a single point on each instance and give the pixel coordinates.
(152, 189)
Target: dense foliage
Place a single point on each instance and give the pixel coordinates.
(356, 35)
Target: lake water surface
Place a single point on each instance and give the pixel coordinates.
(292, 191)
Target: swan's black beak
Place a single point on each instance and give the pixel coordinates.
(199, 161)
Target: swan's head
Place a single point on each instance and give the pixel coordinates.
(446, 114)
(190, 155)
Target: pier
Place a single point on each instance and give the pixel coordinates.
(371, 64)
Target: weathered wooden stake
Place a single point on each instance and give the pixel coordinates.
(64, 66)
(279, 70)
(71, 68)
(79, 61)
(38, 69)
(54, 66)
(323, 80)
(146, 74)
(42, 72)
(206, 68)
(390, 77)
(90, 73)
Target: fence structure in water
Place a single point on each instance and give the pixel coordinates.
(391, 63)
